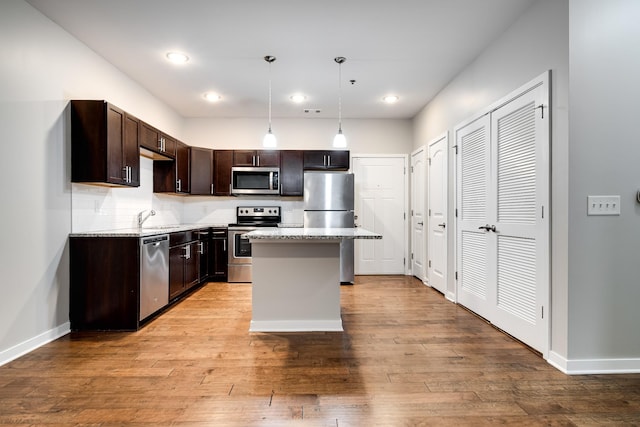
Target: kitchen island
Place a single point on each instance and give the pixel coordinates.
(296, 278)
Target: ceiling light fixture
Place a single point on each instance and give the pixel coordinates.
(269, 140)
(339, 141)
(298, 98)
(177, 57)
(390, 99)
(212, 97)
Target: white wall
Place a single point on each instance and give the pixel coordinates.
(41, 69)
(604, 272)
(536, 42)
(363, 136)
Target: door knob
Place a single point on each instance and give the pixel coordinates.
(487, 228)
(421, 223)
(443, 225)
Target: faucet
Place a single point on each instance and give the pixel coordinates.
(142, 219)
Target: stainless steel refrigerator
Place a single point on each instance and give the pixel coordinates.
(328, 202)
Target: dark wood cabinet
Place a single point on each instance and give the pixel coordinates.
(157, 142)
(201, 171)
(184, 263)
(222, 163)
(104, 144)
(265, 158)
(218, 256)
(172, 176)
(326, 160)
(104, 283)
(291, 173)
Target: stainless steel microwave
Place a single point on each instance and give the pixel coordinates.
(255, 180)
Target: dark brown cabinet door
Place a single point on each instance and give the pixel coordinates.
(201, 171)
(182, 184)
(222, 162)
(218, 257)
(264, 158)
(154, 140)
(176, 271)
(192, 265)
(104, 148)
(291, 173)
(326, 160)
(131, 149)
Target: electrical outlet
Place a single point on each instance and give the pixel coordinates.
(603, 205)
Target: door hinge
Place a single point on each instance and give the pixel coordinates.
(429, 212)
(411, 255)
(542, 211)
(411, 212)
(456, 212)
(405, 170)
(429, 161)
(405, 215)
(542, 311)
(411, 169)
(455, 147)
(429, 263)
(456, 275)
(541, 107)
(404, 261)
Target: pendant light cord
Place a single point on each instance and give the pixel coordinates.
(270, 96)
(340, 60)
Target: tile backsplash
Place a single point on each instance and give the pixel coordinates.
(107, 208)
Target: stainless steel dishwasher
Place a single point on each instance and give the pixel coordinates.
(154, 274)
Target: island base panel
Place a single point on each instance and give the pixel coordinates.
(296, 286)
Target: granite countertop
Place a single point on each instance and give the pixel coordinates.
(145, 231)
(311, 234)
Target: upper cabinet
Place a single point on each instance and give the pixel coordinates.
(266, 158)
(173, 176)
(157, 142)
(222, 162)
(291, 173)
(201, 171)
(326, 160)
(104, 144)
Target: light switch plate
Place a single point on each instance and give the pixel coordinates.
(603, 205)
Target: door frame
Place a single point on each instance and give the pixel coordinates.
(425, 252)
(405, 157)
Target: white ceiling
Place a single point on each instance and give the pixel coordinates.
(411, 48)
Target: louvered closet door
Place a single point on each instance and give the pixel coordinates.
(474, 245)
(519, 177)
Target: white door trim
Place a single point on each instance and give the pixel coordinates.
(405, 157)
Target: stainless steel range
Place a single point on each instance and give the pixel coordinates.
(248, 218)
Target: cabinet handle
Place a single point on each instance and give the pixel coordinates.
(178, 185)
(187, 252)
(160, 143)
(324, 160)
(212, 189)
(201, 249)
(258, 160)
(329, 160)
(224, 245)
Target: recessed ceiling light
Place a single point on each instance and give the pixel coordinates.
(177, 57)
(390, 99)
(212, 97)
(298, 98)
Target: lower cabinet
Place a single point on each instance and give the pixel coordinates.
(184, 263)
(217, 256)
(105, 283)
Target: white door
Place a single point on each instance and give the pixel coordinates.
(437, 247)
(520, 170)
(380, 207)
(418, 238)
(473, 169)
(503, 231)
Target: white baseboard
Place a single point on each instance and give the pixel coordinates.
(594, 366)
(295, 326)
(31, 344)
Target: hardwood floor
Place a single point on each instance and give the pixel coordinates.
(407, 357)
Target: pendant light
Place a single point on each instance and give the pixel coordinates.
(339, 141)
(269, 140)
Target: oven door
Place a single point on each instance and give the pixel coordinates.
(239, 265)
